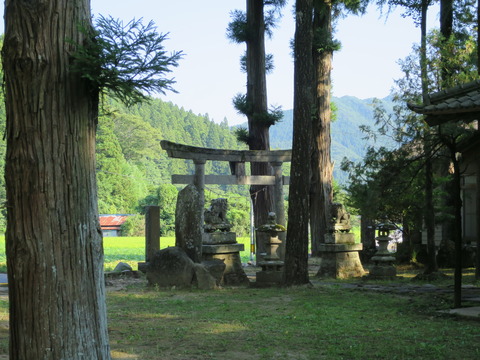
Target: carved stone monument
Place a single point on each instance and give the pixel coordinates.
(339, 254)
(220, 244)
(188, 222)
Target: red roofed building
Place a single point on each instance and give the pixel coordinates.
(111, 224)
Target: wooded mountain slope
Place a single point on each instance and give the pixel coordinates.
(133, 170)
(347, 138)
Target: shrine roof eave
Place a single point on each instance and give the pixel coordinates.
(181, 151)
(433, 118)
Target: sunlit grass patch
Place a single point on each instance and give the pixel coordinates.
(323, 322)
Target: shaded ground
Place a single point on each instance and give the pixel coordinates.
(405, 285)
(330, 319)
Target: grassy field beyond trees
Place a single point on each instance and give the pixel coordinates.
(130, 250)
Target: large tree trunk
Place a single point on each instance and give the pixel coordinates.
(296, 253)
(430, 215)
(457, 227)
(54, 244)
(477, 195)
(257, 98)
(321, 191)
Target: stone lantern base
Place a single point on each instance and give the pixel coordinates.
(383, 259)
(271, 274)
(383, 268)
(382, 272)
(340, 261)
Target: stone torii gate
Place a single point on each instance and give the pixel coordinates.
(237, 159)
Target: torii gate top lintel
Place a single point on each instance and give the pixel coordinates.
(195, 153)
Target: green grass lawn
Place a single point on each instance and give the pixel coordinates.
(130, 250)
(295, 323)
(298, 323)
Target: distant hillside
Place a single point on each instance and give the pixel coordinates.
(347, 139)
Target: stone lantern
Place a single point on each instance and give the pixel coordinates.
(272, 265)
(383, 259)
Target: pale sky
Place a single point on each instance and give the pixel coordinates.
(209, 77)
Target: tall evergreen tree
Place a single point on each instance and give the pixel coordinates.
(54, 244)
(321, 188)
(296, 250)
(55, 66)
(250, 27)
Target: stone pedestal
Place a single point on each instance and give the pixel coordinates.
(223, 246)
(339, 257)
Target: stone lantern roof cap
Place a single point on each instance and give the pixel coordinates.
(271, 225)
(386, 226)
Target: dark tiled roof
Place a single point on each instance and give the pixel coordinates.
(460, 103)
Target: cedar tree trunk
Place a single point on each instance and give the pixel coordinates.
(257, 99)
(54, 243)
(296, 251)
(321, 192)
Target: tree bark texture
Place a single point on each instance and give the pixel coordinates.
(477, 195)
(430, 215)
(478, 36)
(296, 252)
(446, 28)
(321, 191)
(257, 98)
(457, 228)
(423, 50)
(54, 243)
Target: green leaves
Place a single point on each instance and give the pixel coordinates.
(129, 61)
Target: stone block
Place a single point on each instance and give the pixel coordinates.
(340, 264)
(216, 268)
(171, 267)
(219, 237)
(382, 272)
(203, 278)
(269, 278)
(339, 247)
(233, 273)
(222, 248)
(344, 238)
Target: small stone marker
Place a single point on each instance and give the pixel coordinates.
(121, 266)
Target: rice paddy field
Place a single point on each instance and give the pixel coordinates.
(130, 250)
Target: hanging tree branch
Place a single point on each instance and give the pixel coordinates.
(129, 61)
